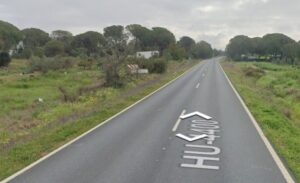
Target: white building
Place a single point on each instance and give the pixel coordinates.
(147, 54)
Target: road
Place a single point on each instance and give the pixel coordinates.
(140, 145)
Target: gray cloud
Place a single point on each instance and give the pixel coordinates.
(215, 21)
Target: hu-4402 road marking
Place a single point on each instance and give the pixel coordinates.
(203, 151)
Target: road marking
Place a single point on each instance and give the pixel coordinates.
(178, 121)
(215, 150)
(210, 128)
(205, 156)
(93, 129)
(196, 113)
(200, 162)
(273, 153)
(198, 85)
(191, 139)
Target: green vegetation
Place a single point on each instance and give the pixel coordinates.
(187, 44)
(9, 35)
(88, 43)
(271, 47)
(202, 50)
(45, 65)
(272, 92)
(154, 65)
(30, 42)
(4, 59)
(41, 111)
(34, 38)
(54, 48)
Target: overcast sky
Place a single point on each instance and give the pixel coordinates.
(215, 21)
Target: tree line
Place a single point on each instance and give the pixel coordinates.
(36, 42)
(274, 47)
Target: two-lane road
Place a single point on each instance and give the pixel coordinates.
(140, 145)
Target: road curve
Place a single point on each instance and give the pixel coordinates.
(141, 146)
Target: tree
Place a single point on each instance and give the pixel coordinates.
(1, 43)
(115, 57)
(187, 43)
(275, 42)
(92, 42)
(202, 50)
(9, 35)
(162, 38)
(142, 35)
(258, 46)
(61, 35)
(64, 36)
(115, 33)
(291, 51)
(53, 48)
(4, 59)
(238, 46)
(274, 45)
(217, 52)
(174, 52)
(35, 38)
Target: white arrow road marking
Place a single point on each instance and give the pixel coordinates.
(191, 139)
(194, 114)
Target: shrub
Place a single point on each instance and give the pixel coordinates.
(39, 52)
(254, 72)
(154, 65)
(174, 52)
(67, 96)
(86, 63)
(4, 59)
(26, 53)
(46, 64)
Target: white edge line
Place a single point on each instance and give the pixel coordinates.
(178, 122)
(198, 85)
(91, 130)
(273, 153)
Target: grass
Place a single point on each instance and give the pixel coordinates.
(272, 93)
(30, 129)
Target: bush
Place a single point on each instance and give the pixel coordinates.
(174, 52)
(23, 54)
(26, 53)
(86, 63)
(154, 65)
(39, 52)
(254, 72)
(46, 64)
(4, 59)
(67, 96)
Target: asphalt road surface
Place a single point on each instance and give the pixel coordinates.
(141, 146)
